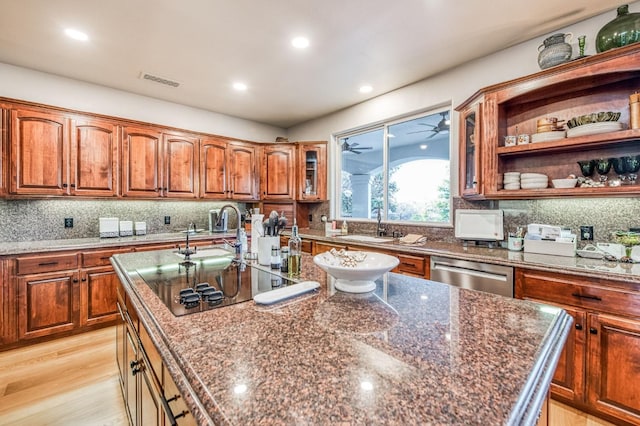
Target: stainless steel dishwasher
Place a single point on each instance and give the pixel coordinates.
(486, 277)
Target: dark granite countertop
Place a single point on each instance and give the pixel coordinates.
(412, 352)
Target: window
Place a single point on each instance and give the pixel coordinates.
(401, 168)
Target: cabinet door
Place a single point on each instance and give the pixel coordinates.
(150, 406)
(181, 166)
(277, 172)
(47, 304)
(312, 172)
(121, 348)
(214, 166)
(94, 158)
(39, 153)
(4, 150)
(131, 378)
(242, 171)
(98, 296)
(614, 366)
(470, 148)
(141, 162)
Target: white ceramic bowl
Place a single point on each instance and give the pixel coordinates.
(534, 185)
(511, 186)
(359, 278)
(532, 175)
(564, 183)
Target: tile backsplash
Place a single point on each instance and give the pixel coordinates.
(27, 220)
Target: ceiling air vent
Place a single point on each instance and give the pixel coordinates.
(156, 79)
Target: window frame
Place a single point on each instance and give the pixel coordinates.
(335, 203)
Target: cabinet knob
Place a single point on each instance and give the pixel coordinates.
(75, 280)
(64, 185)
(593, 330)
(578, 326)
(84, 279)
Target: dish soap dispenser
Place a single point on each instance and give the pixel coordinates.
(345, 228)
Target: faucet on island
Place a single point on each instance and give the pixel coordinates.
(187, 252)
(238, 243)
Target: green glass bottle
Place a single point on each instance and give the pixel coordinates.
(623, 30)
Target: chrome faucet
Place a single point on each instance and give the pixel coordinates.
(381, 230)
(237, 245)
(187, 252)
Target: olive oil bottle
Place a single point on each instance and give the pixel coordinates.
(295, 250)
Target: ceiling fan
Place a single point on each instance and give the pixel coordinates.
(354, 147)
(442, 126)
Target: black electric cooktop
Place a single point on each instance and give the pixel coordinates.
(208, 283)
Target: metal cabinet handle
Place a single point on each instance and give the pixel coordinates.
(47, 263)
(578, 326)
(593, 330)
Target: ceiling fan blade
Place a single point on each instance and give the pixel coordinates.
(419, 131)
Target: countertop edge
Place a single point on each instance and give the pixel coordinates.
(527, 409)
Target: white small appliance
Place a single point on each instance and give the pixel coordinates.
(109, 227)
(479, 225)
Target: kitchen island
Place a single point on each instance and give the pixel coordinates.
(412, 352)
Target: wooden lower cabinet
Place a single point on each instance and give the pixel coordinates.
(599, 368)
(150, 395)
(98, 296)
(48, 304)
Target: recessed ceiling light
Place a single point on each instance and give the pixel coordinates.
(423, 146)
(76, 35)
(366, 89)
(239, 86)
(300, 42)
(391, 135)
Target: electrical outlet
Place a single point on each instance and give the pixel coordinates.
(68, 222)
(167, 220)
(586, 233)
(310, 217)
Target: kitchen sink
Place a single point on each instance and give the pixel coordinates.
(367, 238)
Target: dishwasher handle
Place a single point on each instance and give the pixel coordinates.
(472, 272)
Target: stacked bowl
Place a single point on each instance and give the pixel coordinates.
(511, 181)
(533, 181)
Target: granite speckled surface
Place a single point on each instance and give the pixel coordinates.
(412, 352)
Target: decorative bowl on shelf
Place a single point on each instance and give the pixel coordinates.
(564, 183)
(596, 117)
(355, 271)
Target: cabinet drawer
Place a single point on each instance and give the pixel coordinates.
(410, 264)
(579, 292)
(47, 263)
(100, 257)
(319, 247)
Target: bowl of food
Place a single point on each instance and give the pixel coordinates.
(596, 117)
(355, 271)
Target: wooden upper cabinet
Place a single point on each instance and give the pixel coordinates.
(141, 162)
(311, 181)
(94, 158)
(4, 150)
(39, 153)
(180, 174)
(242, 171)
(278, 172)
(214, 169)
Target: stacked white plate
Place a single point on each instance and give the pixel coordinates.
(548, 136)
(511, 180)
(533, 181)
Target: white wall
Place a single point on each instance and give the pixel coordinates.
(49, 89)
(454, 86)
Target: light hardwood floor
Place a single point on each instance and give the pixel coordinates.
(74, 381)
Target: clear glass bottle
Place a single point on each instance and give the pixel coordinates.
(284, 259)
(295, 251)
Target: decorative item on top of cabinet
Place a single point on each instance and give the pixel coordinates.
(312, 171)
(278, 172)
(624, 29)
(601, 82)
(555, 50)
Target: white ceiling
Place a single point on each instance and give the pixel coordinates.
(206, 45)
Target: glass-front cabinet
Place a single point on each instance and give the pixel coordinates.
(312, 171)
(470, 167)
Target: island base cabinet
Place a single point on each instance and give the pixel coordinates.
(614, 359)
(599, 368)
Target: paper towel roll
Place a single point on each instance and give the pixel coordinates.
(257, 230)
